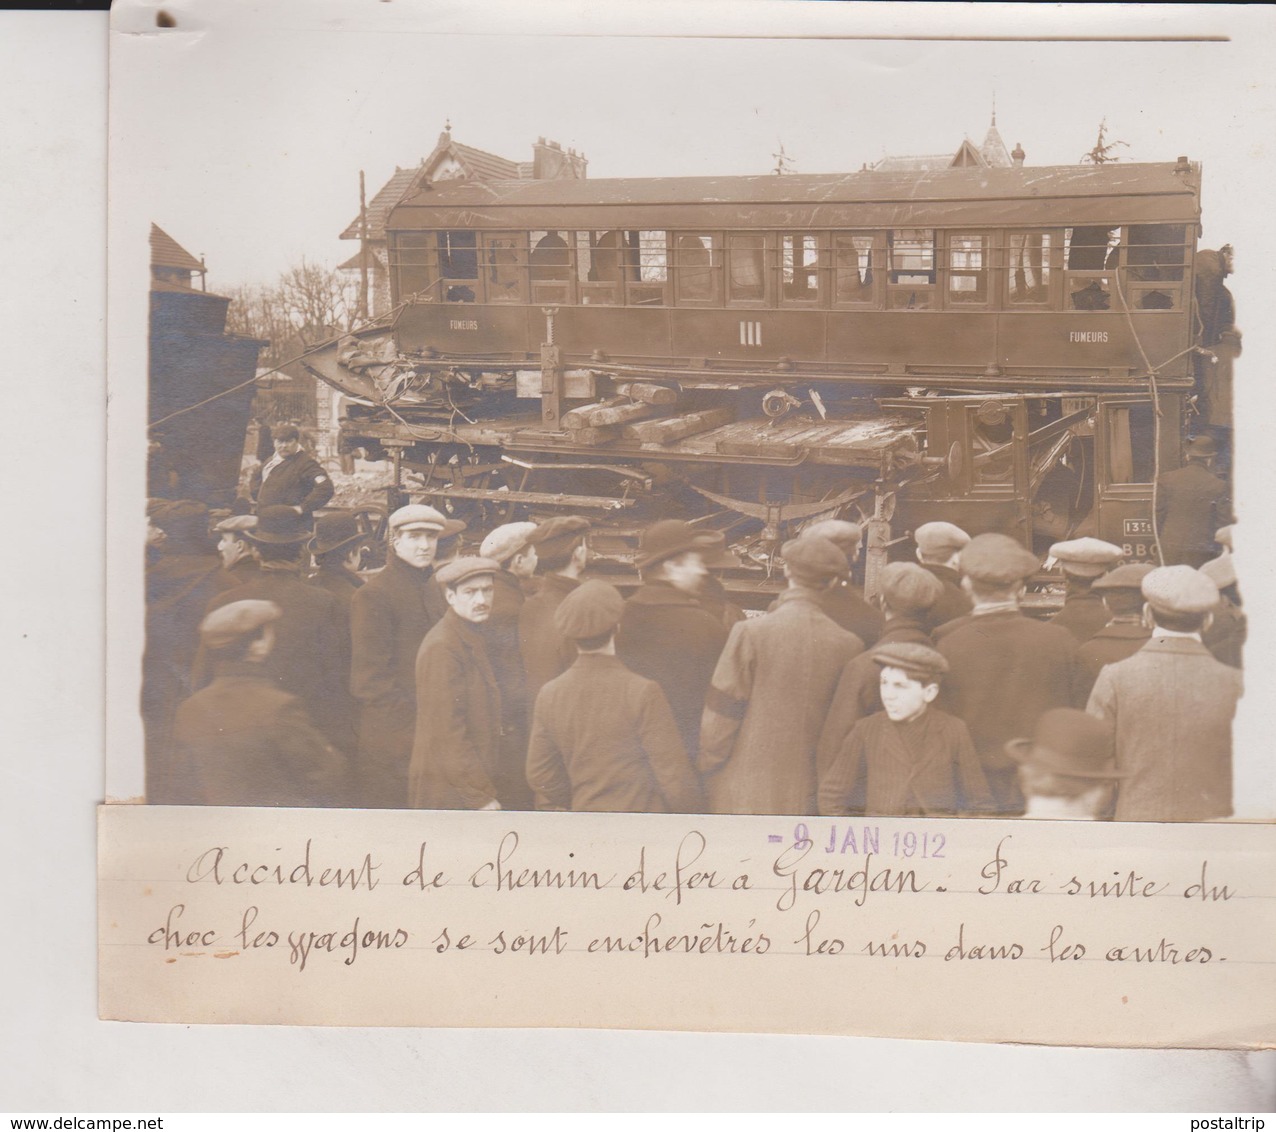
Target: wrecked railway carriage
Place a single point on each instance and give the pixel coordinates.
(1008, 348)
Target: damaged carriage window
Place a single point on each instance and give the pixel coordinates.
(1090, 253)
(746, 267)
(800, 266)
(414, 267)
(1131, 441)
(967, 269)
(911, 271)
(648, 251)
(600, 267)
(458, 260)
(1029, 267)
(504, 268)
(697, 259)
(549, 267)
(852, 268)
(1154, 266)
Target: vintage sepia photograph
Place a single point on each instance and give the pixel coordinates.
(813, 425)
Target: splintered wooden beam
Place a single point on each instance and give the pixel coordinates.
(591, 435)
(577, 418)
(648, 393)
(600, 416)
(669, 429)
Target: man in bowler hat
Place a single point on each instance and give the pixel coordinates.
(603, 738)
(1191, 503)
(338, 547)
(562, 554)
(1066, 770)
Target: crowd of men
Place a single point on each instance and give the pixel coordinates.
(495, 673)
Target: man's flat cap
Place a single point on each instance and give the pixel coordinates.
(590, 610)
(236, 524)
(1221, 570)
(814, 559)
(459, 570)
(997, 560)
(939, 539)
(919, 661)
(419, 517)
(559, 527)
(1086, 557)
(840, 532)
(671, 537)
(1127, 577)
(909, 588)
(236, 620)
(506, 541)
(1179, 589)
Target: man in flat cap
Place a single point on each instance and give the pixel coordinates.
(909, 759)
(938, 546)
(771, 692)
(389, 618)
(1005, 669)
(603, 738)
(180, 580)
(1172, 705)
(561, 557)
(1191, 503)
(456, 754)
(1082, 561)
(239, 560)
(310, 657)
(1121, 591)
(291, 477)
(907, 594)
(243, 740)
(1066, 770)
(666, 634)
(508, 545)
(337, 548)
(1228, 628)
(843, 601)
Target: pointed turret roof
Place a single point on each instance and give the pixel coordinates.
(994, 150)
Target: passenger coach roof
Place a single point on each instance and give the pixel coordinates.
(1150, 191)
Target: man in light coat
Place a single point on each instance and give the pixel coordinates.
(771, 691)
(1172, 705)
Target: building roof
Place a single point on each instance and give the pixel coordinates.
(167, 252)
(994, 151)
(484, 166)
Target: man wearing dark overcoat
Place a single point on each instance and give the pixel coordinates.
(843, 601)
(666, 634)
(389, 618)
(239, 561)
(310, 657)
(1172, 705)
(561, 557)
(938, 546)
(456, 752)
(1191, 503)
(338, 547)
(292, 477)
(603, 737)
(771, 692)
(1005, 669)
(1125, 633)
(180, 580)
(908, 593)
(243, 740)
(1082, 561)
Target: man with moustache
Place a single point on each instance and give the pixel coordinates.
(456, 753)
(389, 618)
(239, 563)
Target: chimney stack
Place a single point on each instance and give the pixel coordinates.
(1017, 155)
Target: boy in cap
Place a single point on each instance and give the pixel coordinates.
(561, 557)
(243, 740)
(1191, 503)
(1172, 704)
(291, 477)
(389, 618)
(666, 634)
(842, 601)
(907, 594)
(456, 754)
(239, 562)
(311, 655)
(771, 691)
(1125, 633)
(1082, 561)
(915, 760)
(1005, 669)
(938, 547)
(1066, 770)
(603, 738)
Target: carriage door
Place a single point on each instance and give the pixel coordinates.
(1124, 440)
